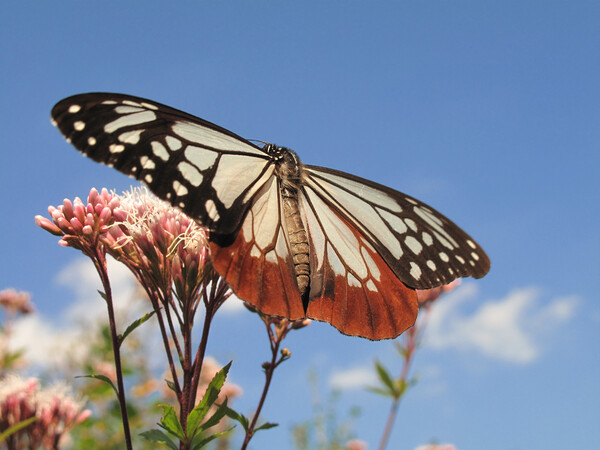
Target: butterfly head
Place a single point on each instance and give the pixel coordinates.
(289, 166)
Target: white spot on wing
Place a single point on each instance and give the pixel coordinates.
(190, 173)
(79, 125)
(128, 109)
(352, 281)
(471, 243)
(211, 209)
(74, 109)
(427, 239)
(148, 178)
(444, 257)
(149, 105)
(411, 224)
(159, 150)
(334, 262)
(200, 157)
(131, 137)
(91, 140)
(370, 264)
(394, 221)
(147, 163)
(371, 286)
(415, 271)
(234, 175)
(431, 265)
(180, 189)
(414, 245)
(208, 137)
(128, 120)
(173, 143)
(116, 148)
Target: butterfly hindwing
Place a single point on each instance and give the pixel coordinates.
(352, 287)
(258, 265)
(421, 246)
(207, 171)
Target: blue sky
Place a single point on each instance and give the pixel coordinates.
(488, 111)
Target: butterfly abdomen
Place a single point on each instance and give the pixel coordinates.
(289, 169)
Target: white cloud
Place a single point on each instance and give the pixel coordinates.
(49, 344)
(357, 377)
(509, 329)
(52, 343)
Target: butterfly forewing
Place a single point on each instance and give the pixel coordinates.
(207, 171)
(422, 247)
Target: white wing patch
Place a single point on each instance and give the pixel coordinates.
(205, 136)
(364, 214)
(201, 158)
(361, 190)
(136, 118)
(235, 173)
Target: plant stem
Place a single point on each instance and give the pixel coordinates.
(269, 370)
(99, 259)
(410, 347)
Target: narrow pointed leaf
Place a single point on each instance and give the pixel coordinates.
(201, 441)
(160, 437)
(385, 377)
(102, 378)
(215, 418)
(102, 294)
(385, 392)
(266, 426)
(243, 420)
(134, 325)
(16, 427)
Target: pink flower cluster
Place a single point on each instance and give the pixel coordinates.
(55, 409)
(160, 245)
(14, 302)
(79, 224)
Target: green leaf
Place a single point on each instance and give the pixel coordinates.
(385, 392)
(385, 377)
(101, 378)
(103, 295)
(266, 426)
(243, 420)
(196, 416)
(16, 427)
(200, 441)
(159, 437)
(171, 386)
(215, 418)
(134, 325)
(170, 422)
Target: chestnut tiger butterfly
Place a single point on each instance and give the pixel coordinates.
(291, 239)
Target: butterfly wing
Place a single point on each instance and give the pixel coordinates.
(259, 265)
(207, 171)
(352, 287)
(420, 245)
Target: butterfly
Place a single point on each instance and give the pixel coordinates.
(293, 240)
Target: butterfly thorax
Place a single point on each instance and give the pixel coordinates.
(289, 171)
